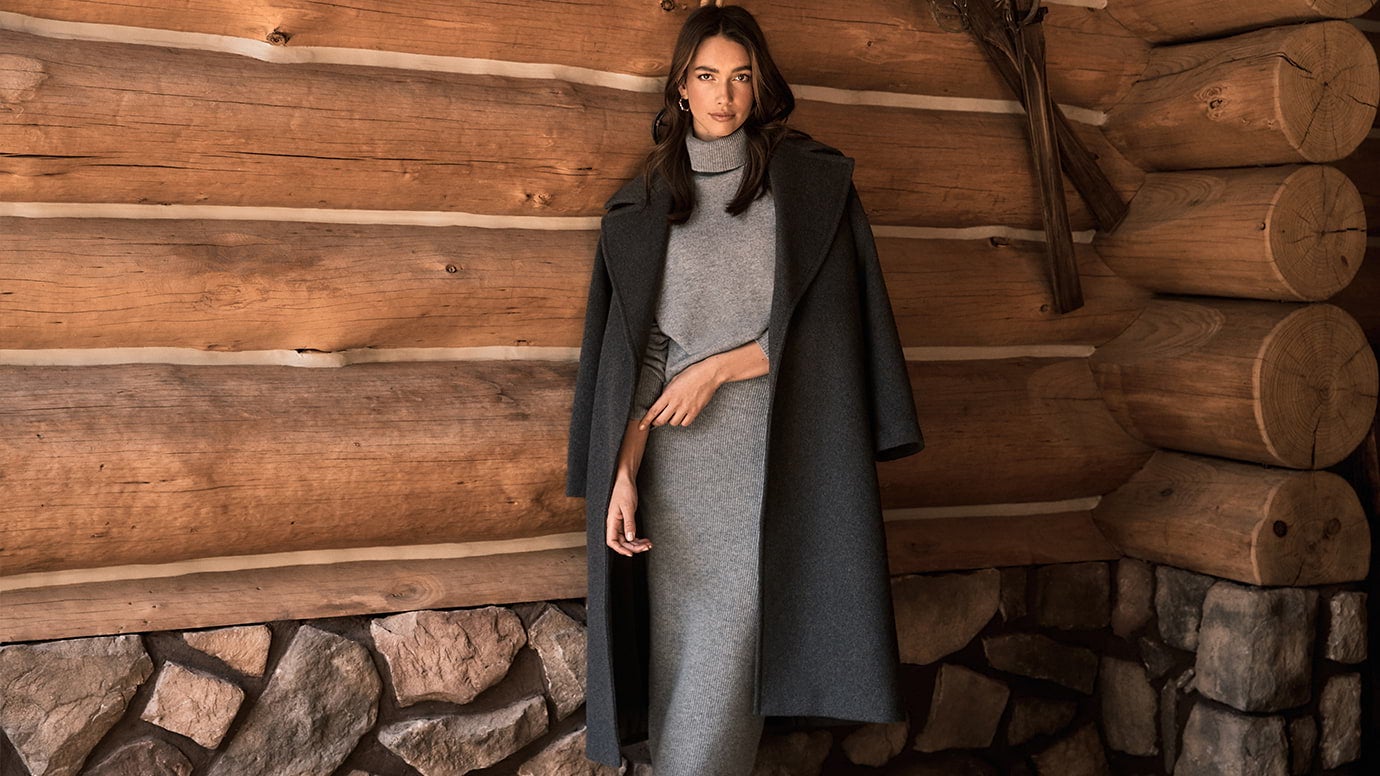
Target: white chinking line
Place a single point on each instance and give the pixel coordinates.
(454, 550)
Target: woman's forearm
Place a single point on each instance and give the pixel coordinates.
(741, 363)
(630, 454)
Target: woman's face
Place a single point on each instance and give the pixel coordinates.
(718, 86)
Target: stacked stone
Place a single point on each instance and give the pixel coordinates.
(1079, 668)
(1254, 680)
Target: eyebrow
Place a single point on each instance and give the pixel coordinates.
(715, 69)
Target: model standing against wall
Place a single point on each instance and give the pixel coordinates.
(689, 471)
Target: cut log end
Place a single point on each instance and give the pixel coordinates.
(1317, 387)
(1328, 88)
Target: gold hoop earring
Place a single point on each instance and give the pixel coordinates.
(684, 105)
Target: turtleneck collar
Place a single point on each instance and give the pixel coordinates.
(717, 155)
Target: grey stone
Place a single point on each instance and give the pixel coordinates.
(1014, 581)
(243, 647)
(322, 697)
(448, 655)
(565, 756)
(1172, 696)
(1303, 740)
(1179, 604)
(194, 704)
(937, 614)
(455, 744)
(1135, 596)
(1255, 646)
(1128, 707)
(1221, 742)
(1078, 754)
(145, 757)
(1157, 656)
(1339, 707)
(876, 743)
(1346, 627)
(61, 697)
(1073, 595)
(964, 710)
(800, 753)
(1033, 716)
(1041, 657)
(561, 644)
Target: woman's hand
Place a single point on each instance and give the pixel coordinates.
(621, 526)
(686, 394)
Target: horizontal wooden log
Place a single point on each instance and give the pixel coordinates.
(1296, 232)
(890, 46)
(1277, 383)
(975, 542)
(1254, 524)
(262, 285)
(137, 464)
(206, 599)
(218, 129)
(1163, 21)
(1301, 93)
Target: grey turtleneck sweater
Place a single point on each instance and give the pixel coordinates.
(716, 290)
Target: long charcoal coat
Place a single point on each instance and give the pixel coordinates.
(841, 399)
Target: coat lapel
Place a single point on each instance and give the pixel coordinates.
(811, 192)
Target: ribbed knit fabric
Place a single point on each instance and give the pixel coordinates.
(717, 286)
(700, 486)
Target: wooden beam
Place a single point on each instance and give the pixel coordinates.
(890, 46)
(1294, 232)
(263, 285)
(155, 463)
(221, 129)
(206, 599)
(1163, 21)
(1283, 384)
(1301, 93)
(1253, 524)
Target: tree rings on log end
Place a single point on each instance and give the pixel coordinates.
(1283, 384)
(1317, 383)
(1293, 232)
(1300, 93)
(1253, 524)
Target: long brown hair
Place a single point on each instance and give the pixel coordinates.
(764, 127)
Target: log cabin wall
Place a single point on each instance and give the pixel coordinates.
(291, 305)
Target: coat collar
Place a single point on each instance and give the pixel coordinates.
(810, 184)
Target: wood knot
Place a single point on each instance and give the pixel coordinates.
(278, 38)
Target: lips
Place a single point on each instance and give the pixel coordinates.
(721, 116)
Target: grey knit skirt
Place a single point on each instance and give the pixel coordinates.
(699, 501)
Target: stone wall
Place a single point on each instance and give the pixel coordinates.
(1055, 670)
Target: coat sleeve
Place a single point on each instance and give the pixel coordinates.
(591, 346)
(895, 429)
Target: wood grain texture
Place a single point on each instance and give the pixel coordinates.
(259, 285)
(1300, 93)
(219, 129)
(1292, 232)
(977, 542)
(1282, 384)
(135, 464)
(1259, 525)
(1163, 21)
(1359, 298)
(883, 45)
(203, 600)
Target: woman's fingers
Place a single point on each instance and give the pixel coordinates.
(615, 535)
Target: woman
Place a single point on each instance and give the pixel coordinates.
(731, 226)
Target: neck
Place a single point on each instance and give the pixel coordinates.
(718, 155)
